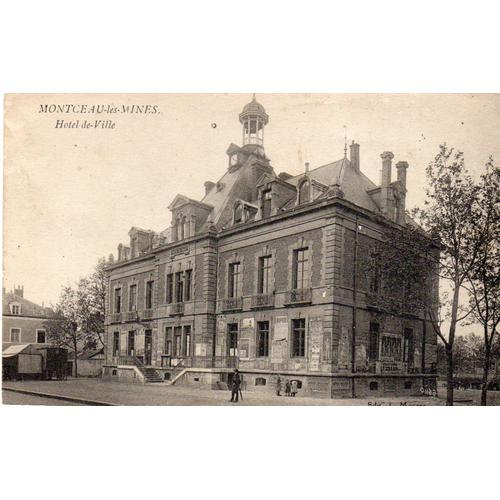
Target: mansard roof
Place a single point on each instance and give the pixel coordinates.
(354, 184)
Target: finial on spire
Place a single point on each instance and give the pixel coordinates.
(253, 97)
(307, 167)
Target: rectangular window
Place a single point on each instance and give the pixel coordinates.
(188, 276)
(373, 341)
(262, 339)
(178, 341)
(41, 336)
(15, 335)
(264, 274)
(168, 340)
(390, 348)
(149, 294)
(170, 288)
(187, 341)
(232, 333)
(234, 280)
(131, 343)
(409, 347)
(179, 287)
(16, 309)
(132, 299)
(116, 343)
(300, 271)
(298, 337)
(376, 273)
(118, 300)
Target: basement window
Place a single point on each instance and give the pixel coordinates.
(260, 381)
(373, 386)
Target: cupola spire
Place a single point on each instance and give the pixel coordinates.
(253, 118)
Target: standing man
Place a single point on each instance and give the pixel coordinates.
(235, 386)
(278, 386)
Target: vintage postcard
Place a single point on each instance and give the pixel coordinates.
(243, 249)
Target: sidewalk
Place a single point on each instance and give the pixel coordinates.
(114, 393)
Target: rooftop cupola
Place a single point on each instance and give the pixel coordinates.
(253, 118)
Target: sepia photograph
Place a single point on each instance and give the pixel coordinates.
(251, 249)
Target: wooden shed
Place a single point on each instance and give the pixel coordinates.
(21, 361)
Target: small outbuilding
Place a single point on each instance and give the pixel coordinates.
(21, 361)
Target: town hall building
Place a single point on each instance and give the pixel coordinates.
(264, 274)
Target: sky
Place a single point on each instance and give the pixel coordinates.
(72, 194)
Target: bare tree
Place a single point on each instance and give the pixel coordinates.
(64, 330)
(483, 273)
(428, 265)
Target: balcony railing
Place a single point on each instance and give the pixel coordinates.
(116, 318)
(232, 304)
(298, 296)
(263, 300)
(147, 313)
(176, 309)
(131, 316)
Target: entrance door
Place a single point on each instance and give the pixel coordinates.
(148, 344)
(131, 343)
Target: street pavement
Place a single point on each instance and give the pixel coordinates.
(15, 398)
(166, 395)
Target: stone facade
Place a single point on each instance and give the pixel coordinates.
(264, 274)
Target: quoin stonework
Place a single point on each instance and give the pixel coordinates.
(264, 274)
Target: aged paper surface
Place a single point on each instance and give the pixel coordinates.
(227, 224)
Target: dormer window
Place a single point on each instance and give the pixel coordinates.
(238, 213)
(185, 223)
(304, 191)
(266, 203)
(15, 309)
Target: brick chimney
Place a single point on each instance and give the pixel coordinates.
(209, 185)
(385, 185)
(401, 167)
(354, 156)
(19, 291)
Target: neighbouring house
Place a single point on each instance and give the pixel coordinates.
(23, 321)
(264, 274)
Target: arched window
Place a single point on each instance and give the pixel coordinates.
(304, 192)
(238, 213)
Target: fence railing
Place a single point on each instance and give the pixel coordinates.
(232, 304)
(263, 300)
(131, 316)
(116, 318)
(176, 309)
(298, 296)
(147, 313)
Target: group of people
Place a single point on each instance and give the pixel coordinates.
(291, 387)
